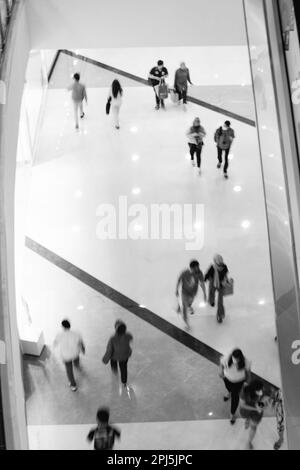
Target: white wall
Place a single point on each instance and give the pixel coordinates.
(129, 23)
(13, 73)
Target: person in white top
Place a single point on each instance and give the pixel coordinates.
(235, 371)
(71, 345)
(78, 95)
(115, 96)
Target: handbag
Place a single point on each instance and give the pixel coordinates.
(228, 285)
(107, 108)
(163, 90)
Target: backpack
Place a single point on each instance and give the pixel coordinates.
(104, 438)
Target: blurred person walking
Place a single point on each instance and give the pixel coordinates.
(217, 275)
(224, 137)
(181, 80)
(115, 98)
(157, 76)
(103, 434)
(118, 351)
(196, 134)
(78, 95)
(252, 408)
(71, 345)
(235, 370)
(189, 281)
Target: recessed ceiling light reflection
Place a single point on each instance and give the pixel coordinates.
(187, 157)
(142, 306)
(210, 413)
(136, 191)
(280, 188)
(231, 156)
(271, 155)
(202, 305)
(243, 84)
(237, 189)
(286, 223)
(133, 129)
(264, 127)
(80, 307)
(246, 224)
(85, 131)
(75, 61)
(135, 158)
(216, 75)
(262, 302)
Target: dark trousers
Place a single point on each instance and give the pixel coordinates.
(123, 369)
(235, 390)
(220, 152)
(198, 150)
(69, 370)
(159, 102)
(211, 298)
(182, 92)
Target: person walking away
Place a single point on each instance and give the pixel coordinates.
(217, 274)
(196, 134)
(189, 281)
(156, 75)
(115, 95)
(181, 80)
(235, 370)
(118, 351)
(78, 95)
(103, 434)
(252, 408)
(71, 345)
(224, 137)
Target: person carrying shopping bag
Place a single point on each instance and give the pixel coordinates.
(217, 276)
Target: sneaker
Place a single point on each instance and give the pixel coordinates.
(82, 115)
(73, 388)
(192, 311)
(219, 165)
(225, 176)
(226, 397)
(219, 320)
(157, 106)
(76, 127)
(163, 106)
(117, 127)
(233, 419)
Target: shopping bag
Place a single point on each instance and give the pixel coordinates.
(174, 96)
(107, 108)
(228, 287)
(163, 90)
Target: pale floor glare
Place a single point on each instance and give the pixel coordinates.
(97, 162)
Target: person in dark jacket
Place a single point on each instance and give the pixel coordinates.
(118, 350)
(224, 137)
(196, 134)
(182, 77)
(103, 435)
(156, 76)
(216, 274)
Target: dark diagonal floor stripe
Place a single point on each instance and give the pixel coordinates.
(143, 313)
(204, 104)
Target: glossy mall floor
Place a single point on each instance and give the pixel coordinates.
(175, 399)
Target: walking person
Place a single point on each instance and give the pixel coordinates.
(156, 75)
(224, 137)
(252, 408)
(71, 345)
(216, 275)
(235, 370)
(189, 281)
(115, 97)
(196, 134)
(103, 434)
(78, 95)
(181, 80)
(118, 351)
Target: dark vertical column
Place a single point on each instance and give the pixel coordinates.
(297, 13)
(2, 431)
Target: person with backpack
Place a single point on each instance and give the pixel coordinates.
(196, 134)
(216, 275)
(157, 76)
(78, 95)
(115, 98)
(103, 435)
(189, 281)
(224, 137)
(118, 351)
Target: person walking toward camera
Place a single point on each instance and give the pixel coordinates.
(224, 137)
(252, 408)
(181, 80)
(78, 95)
(235, 370)
(118, 351)
(115, 97)
(216, 275)
(71, 345)
(156, 76)
(103, 434)
(189, 281)
(196, 134)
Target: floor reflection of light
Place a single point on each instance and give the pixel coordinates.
(286, 223)
(245, 224)
(136, 191)
(133, 129)
(271, 155)
(237, 189)
(78, 194)
(85, 131)
(80, 307)
(76, 228)
(198, 225)
(142, 306)
(280, 188)
(210, 413)
(264, 127)
(202, 305)
(188, 157)
(262, 302)
(135, 158)
(138, 228)
(231, 156)
(75, 62)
